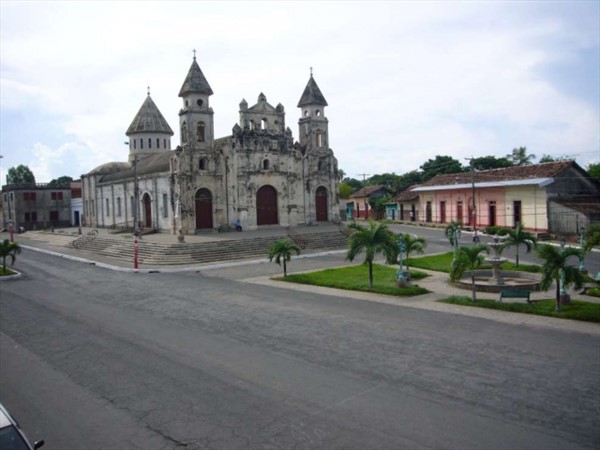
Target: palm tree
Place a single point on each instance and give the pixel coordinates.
(556, 267)
(452, 232)
(9, 249)
(516, 237)
(519, 157)
(413, 244)
(468, 258)
(282, 250)
(372, 240)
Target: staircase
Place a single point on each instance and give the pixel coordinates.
(182, 254)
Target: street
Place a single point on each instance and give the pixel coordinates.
(98, 359)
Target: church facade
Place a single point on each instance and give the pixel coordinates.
(258, 175)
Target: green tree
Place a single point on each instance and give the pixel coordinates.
(60, 181)
(549, 158)
(282, 250)
(356, 184)
(517, 237)
(592, 238)
(556, 265)
(413, 245)
(9, 250)
(490, 162)
(407, 180)
(374, 239)
(519, 157)
(440, 165)
(378, 204)
(451, 231)
(468, 258)
(345, 190)
(593, 170)
(19, 174)
(341, 174)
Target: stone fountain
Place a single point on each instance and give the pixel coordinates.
(496, 261)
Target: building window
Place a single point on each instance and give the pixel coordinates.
(93, 212)
(141, 143)
(29, 196)
(319, 138)
(165, 206)
(263, 124)
(107, 208)
(118, 206)
(252, 126)
(132, 203)
(134, 144)
(203, 164)
(184, 132)
(157, 142)
(149, 143)
(199, 102)
(306, 113)
(53, 216)
(56, 195)
(266, 164)
(200, 131)
(318, 113)
(165, 143)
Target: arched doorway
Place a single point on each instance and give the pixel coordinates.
(204, 217)
(147, 202)
(321, 204)
(266, 206)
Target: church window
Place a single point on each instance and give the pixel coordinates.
(134, 144)
(306, 113)
(203, 164)
(184, 132)
(141, 143)
(187, 103)
(149, 143)
(320, 165)
(165, 143)
(165, 206)
(118, 206)
(53, 216)
(93, 207)
(199, 102)
(319, 138)
(252, 126)
(263, 124)
(200, 131)
(107, 208)
(266, 164)
(318, 113)
(157, 142)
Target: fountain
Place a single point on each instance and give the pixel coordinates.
(496, 261)
(497, 280)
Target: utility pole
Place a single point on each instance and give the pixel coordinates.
(474, 212)
(135, 214)
(364, 175)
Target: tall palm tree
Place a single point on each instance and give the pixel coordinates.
(519, 157)
(518, 237)
(374, 239)
(282, 250)
(413, 244)
(556, 265)
(10, 250)
(468, 258)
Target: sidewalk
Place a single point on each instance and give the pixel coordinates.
(437, 282)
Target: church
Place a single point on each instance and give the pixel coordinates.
(258, 175)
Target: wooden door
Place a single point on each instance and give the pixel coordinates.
(204, 218)
(266, 206)
(147, 211)
(321, 204)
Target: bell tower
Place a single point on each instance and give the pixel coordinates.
(196, 122)
(313, 125)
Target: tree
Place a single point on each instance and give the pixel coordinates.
(345, 190)
(385, 179)
(593, 169)
(406, 180)
(19, 174)
(490, 162)
(517, 237)
(468, 258)
(592, 238)
(282, 250)
(451, 233)
(61, 181)
(9, 250)
(341, 174)
(372, 240)
(549, 158)
(356, 184)
(440, 165)
(556, 266)
(412, 245)
(378, 204)
(519, 157)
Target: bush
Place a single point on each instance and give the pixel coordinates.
(495, 230)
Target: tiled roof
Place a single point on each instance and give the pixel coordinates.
(545, 170)
(148, 165)
(195, 82)
(406, 195)
(312, 95)
(592, 207)
(366, 191)
(149, 120)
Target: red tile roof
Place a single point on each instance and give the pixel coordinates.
(366, 191)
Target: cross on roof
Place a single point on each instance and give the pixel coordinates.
(194, 53)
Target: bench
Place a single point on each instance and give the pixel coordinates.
(516, 294)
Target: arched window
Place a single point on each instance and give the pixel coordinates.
(203, 164)
(318, 113)
(165, 143)
(320, 165)
(118, 206)
(149, 142)
(107, 208)
(200, 131)
(184, 132)
(263, 124)
(134, 144)
(266, 164)
(306, 113)
(252, 125)
(319, 138)
(157, 142)
(141, 143)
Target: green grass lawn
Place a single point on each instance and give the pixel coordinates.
(6, 273)
(442, 262)
(577, 310)
(356, 278)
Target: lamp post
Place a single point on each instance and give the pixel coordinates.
(401, 275)
(136, 231)
(473, 211)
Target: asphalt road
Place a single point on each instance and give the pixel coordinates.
(96, 359)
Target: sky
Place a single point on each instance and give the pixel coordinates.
(405, 81)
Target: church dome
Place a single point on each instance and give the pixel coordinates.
(110, 167)
(149, 120)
